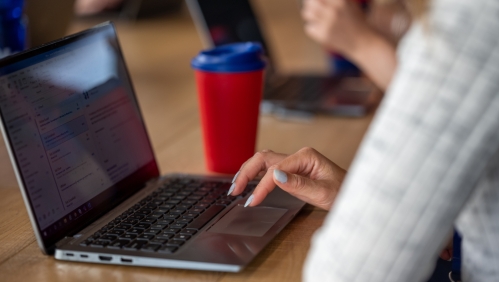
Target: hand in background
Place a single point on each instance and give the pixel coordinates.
(336, 24)
(306, 174)
(340, 25)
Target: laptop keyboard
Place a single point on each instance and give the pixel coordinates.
(167, 218)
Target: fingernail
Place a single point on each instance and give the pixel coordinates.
(250, 199)
(235, 176)
(280, 176)
(231, 188)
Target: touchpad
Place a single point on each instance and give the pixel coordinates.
(255, 221)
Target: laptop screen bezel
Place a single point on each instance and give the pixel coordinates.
(113, 195)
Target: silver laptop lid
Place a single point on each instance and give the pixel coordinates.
(74, 131)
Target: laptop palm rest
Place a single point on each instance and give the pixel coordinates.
(255, 221)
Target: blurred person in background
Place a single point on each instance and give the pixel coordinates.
(429, 161)
(92, 7)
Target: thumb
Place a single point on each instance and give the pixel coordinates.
(315, 192)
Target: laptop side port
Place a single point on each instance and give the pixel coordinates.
(127, 260)
(70, 254)
(84, 256)
(105, 258)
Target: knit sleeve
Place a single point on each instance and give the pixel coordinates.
(428, 145)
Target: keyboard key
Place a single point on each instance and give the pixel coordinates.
(159, 226)
(118, 244)
(167, 206)
(156, 215)
(151, 206)
(152, 231)
(128, 236)
(177, 211)
(135, 231)
(188, 232)
(172, 202)
(142, 225)
(167, 249)
(175, 243)
(137, 216)
(157, 202)
(86, 243)
(188, 202)
(99, 244)
(115, 232)
(145, 237)
(184, 220)
(178, 225)
(196, 210)
(205, 217)
(182, 237)
(205, 202)
(201, 206)
(171, 216)
(108, 238)
(164, 221)
(150, 247)
(171, 230)
(183, 207)
(149, 220)
(135, 245)
(144, 211)
(105, 229)
(158, 240)
(97, 234)
(122, 226)
(164, 236)
(190, 215)
(221, 202)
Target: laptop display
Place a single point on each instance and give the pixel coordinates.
(69, 113)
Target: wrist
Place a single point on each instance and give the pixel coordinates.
(363, 45)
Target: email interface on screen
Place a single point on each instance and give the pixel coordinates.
(73, 125)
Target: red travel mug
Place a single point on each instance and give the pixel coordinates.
(230, 82)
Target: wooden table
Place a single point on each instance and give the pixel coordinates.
(158, 52)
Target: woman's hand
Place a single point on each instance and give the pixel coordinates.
(306, 174)
(337, 24)
(340, 25)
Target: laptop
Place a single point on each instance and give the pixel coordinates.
(226, 21)
(89, 178)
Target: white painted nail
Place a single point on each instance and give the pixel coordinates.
(280, 176)
(235, 176)
(250, 199)
(232, 187)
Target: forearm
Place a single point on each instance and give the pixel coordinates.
(376, 57)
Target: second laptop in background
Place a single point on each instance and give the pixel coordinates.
(226, 21)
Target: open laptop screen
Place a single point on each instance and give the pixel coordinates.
(74, 129)
(227, 21)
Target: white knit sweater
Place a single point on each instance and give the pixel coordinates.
(429, 161)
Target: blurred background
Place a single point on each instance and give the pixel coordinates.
(159, 38)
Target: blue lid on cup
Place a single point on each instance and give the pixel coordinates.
(236, 57)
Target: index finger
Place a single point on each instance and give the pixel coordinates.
(261, 161)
